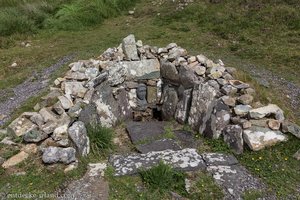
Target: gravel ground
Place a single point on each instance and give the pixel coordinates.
(29, 88)
(281, 86)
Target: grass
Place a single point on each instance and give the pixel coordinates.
(164, 179)
(101, 139)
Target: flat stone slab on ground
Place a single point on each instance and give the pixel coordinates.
(235, 180)
(143, 131)
(186, 139)
(158, 145)
(186, 159)
(214, 159)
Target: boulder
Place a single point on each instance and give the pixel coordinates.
(183, 107)
(75, 89)
(144, 69)
(117, 74)
(203, 102)
(169, 71)
(187, 77)
(268, 110)
(53, 155)
(245, 99)
(78, 134)
(48, 115)
(233, 136)
(66, 102)
(129, 48)
(20, 126)
(239, 84)
(37, 119)
(170, 103)
(34, 136)
(60, 136)
(216, 72)
(242, 110)
(229, 90)
(16, 159)
(258, 138)
(230, 101)
(288, 127)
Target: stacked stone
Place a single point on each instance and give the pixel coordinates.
(133, 80)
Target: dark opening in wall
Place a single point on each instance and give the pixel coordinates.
(157, 114)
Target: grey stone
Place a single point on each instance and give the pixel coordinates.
(75, 110)
(169, 71)
(288, 127)
(8, 141)
(201, 59)
(216, 159)
(239, 84)
(229, 90)
(245, 99)
(175, 52)
(158, 145)
(296, 155)
(270, 109)
(129, 48)
(57, 107)
(78, 134)
(89, 114)
(200, 70)
(242, 110)
(53, 155)
(230, 101)
(258, 138)
(98, 80)
(186, 159)
(222, 81)
(231, 70)
(37, 119)
(35, 136)
(214, 84)
(92, 72)
(187, 77)
(203, 102)
(216, 72)
(144, 69)
(233, 136)
(117, 74)
(183, 107)
(145, 131)
(60, 135)
(2, 160)
(20, 126)
(169, 103)
(171, 46)
(275, 124)
(235, 180)
(48, 115)
(79, 76)
(75, 89)
(66, 102)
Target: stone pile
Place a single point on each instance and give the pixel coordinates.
(141, 83)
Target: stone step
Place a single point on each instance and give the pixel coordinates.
(185, 159)
(159, 145)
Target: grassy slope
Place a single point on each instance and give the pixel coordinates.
(197, 38)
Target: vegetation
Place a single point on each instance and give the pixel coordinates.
(164, 178)
(31, 15)
(101, 139)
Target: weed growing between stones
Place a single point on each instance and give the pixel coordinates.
(164, 178)
(101, 139)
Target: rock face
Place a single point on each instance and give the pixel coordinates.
(258, 138)
(186, 159)
(78, 135)
(203, 101)
(56, 154)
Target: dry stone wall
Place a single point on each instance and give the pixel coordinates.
(141, 83)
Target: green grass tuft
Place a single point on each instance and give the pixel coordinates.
(101, 139)
(164, 179)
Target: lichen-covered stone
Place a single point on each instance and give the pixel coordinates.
(53, 155)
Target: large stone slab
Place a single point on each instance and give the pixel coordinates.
(145, 131)
(235, 180)
(144, 69)
(203, 102)
(215, 159)
(186, 159)
(258, 138)
(170, 103)
(158, 145)
(20, 126)
(233, 136)
(57, 154)
(270, 109)
(183, 107)
(78, 134)
(129, 48)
